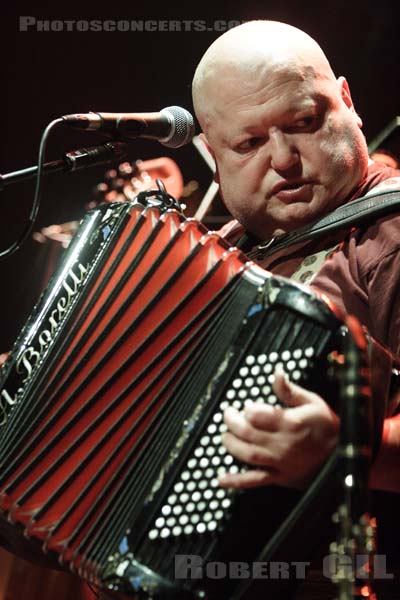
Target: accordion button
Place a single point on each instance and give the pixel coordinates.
(153, 534)
(250, 360)
(188, 529)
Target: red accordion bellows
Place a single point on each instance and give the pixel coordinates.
(148, 297)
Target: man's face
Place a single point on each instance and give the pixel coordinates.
(288, 148)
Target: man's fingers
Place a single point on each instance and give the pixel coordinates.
(289, 393)
(246, 452)
(254, 423)
(249, 479)
(263, 417)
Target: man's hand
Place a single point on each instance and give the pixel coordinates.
(288, 444)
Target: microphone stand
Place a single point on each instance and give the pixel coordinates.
(354, 548)
(70, 162)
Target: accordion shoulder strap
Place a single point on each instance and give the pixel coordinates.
(355, 213)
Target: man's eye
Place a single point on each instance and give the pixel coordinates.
(306, 123)
(248, 144)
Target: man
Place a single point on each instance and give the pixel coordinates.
(289, 149)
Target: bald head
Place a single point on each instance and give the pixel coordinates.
(283, 131)
(252, 50)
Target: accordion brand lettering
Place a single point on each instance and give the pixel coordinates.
(32, 355)
(30, 358)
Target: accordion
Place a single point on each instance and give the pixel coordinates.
(112, 400)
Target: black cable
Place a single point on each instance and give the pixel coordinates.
(36, 199)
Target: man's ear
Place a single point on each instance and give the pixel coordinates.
(211, 151)
(346, 97)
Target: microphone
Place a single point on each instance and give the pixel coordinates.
(172, 126)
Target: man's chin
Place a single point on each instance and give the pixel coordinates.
(283, 220)
(300, 216)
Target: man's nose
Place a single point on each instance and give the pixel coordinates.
(284, 153)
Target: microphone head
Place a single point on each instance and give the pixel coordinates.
(182, 127)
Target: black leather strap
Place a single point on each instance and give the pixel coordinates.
(355, 213)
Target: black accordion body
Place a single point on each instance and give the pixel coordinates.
(112, 400)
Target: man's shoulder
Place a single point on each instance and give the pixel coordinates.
(387, 185)
(378, 242)
(381, 237)
(390, 222)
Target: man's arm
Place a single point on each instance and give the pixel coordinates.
(288, 446)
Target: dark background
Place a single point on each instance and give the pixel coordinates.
(49, 74)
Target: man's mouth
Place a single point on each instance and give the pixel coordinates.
(293, 186)
(292, 190)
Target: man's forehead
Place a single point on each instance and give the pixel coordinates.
(279, 92)
(264, 78)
